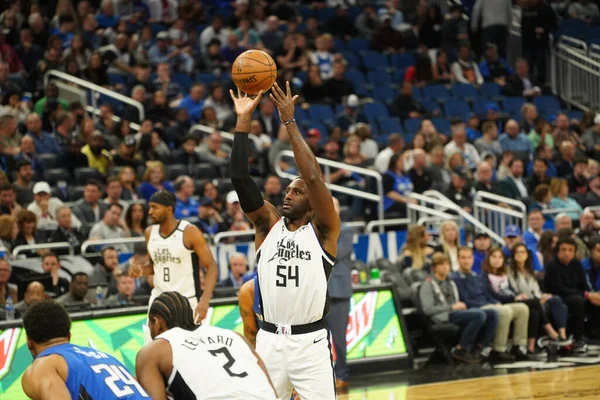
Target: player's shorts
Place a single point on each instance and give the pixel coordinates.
(302, 362)
(153, 295)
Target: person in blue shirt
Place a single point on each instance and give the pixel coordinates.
(591, 266)
(186, 206)
(512, 236)
(194, 102)
(396, 187)
(482, 244)
(61, 370)
(535, 223)
(515, 141)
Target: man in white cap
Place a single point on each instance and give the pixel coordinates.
(351, 115)
(232, 206)
(591, 139)
(45, 207)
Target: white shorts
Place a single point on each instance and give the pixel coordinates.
(301, 362)
(153, 295)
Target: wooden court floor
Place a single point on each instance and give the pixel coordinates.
(565, 383)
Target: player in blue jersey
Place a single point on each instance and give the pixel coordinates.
(61, 370)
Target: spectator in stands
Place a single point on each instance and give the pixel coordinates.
(566, 278)
(396, 187)
(54, 285)
(561, 200)
(213, 61)
(209, 220)
(459, 144)
(77, 292)
(66, 232)
(8, 200)
(563, 132)
(537, 23)
(186, 206)
(546, 246)
(194, 102)
(128, 178)
(584, 10)
(136, 219)
(515, 141)
(114, 193)
(464, 69)
(386, 38)
(368, 146)
(164, 83)
(213, 152)
(6, 290)
(472, 291)
(8, 232)
(441, 175)
(238, 266)
(564, 230)
(272, 38)
(578, 182)
(27, 153)
(273, 192)
(125, 291)
(9, 135)
(322, 57)
(366, 22)
(187, 154)
(210, 190)
(289, 56)
(267, 118)
(111, 227)
(126, 155)
(395, 145)
(313, 139)
(45, 206)
(28, 52)
(419, 174)
(405, 106)
(33, 294)
(28, 233)
(23, 181)
(591, 139)
(338, 86)
(417, 253)
(488, 141)
(535, 228)
(442, 71)
(154, 180)
(449, 242)
(281, 143)
(98, 157)
(592, 198)
(232, 49)
(530, 120)
(218, 102)
(351, 115)
(96, 70)
(44, 142)
(481, 246)
(485, 182)
(454, 31)
(588, 230)
(494, 19)
(106, 270)
(440, 302)
(513, 185)
(90, 209)
(521, 84)
(493, 67)
(421, 73)
(216, 30)
(459, 191)
(541, 131)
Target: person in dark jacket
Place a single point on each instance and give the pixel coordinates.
(474, 294)
(565, 277)
(591, 266)
(538, 21)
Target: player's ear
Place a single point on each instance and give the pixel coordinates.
(69, 337)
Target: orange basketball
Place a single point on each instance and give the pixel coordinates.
(254, 70)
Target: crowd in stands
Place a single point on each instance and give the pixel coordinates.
(419, 91)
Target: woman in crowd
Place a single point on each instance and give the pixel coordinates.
(154, 179)
(128, 179)
(28, 233)
(396, 187)
(408, 156)
(421, 73)
(218, 102)
(352, 154)
(442, 73)
(560, 192)
(449, 242)
(78, 52)
(96, 71)
(136, 218)
(541, 133)
(546, 245)
(208, 117)
(8, 232)
(314, 90)
(210, 190)
(417, 253)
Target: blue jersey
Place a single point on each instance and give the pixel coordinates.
(94, 375)
(256, 308)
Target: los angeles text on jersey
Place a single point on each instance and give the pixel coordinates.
(163, 255)
(288, 250)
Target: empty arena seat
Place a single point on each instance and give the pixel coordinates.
(320, 112)
(174, 171)
(379, 77)
(48, 160)
(375, 111)
(54, 175)
(513, 104)
(547, 103)
(442, 125)
(205, 171)
(402, 60)
(84, 174)
(374, 60)
(412, 125)
(464, 91)
(390, 125)
(438, 93)
(457, 109)
(490, 89)
(355, 76)
(358, 44)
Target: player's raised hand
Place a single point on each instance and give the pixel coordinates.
(283, 101)
(243, 104)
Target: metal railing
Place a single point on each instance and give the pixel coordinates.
(103, 242)
(231, 234)
(487, 210)
(378, 198)
(95, 91)
(553, 212)
(44, 246)
(370, 227)
(575, 76)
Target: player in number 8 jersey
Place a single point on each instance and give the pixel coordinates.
(295, 255)
(62, 371)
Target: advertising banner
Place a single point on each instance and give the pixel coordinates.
(373, 330)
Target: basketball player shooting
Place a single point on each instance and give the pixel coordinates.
(177, 251)
(197, 362)
(295, 256)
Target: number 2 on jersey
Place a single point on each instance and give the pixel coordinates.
(230, 362)
(118, 376)
(287, 273)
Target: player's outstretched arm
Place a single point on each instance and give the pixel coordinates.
(194, 239)
(45, 379)
(245, 300)
(262, 214)
(327, 220)
(152, 368)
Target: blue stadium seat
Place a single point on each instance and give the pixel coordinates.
(573, 27)
(156, 27)
(442, 125)
(412, 125)
(379, 77)
(325, 14)
(115, 79)
(457, 109)
(354, 61)
(306, 12)
(593, 32)
(390, 125)
(464, 91)
(339, 44)
(575, 114)
(480, 106)
(385, 94)
(418, 94)
(300, 114)
(320, 112)
(302, 75)
(373, 60)
(430, 105)
(402, 60)
(547, 103)
(205, 78)
(317, 125)
(490, 89)
(358, 44)
(375, 111)
(355, 76)
(362, 89)
(512, 104)
(438, 93)
(183, 80)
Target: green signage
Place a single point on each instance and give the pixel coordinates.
(373, 330)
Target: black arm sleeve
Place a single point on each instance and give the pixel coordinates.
(247, 190)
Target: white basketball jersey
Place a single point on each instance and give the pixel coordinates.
(176, 268)
(293, 270)
(216, 364)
